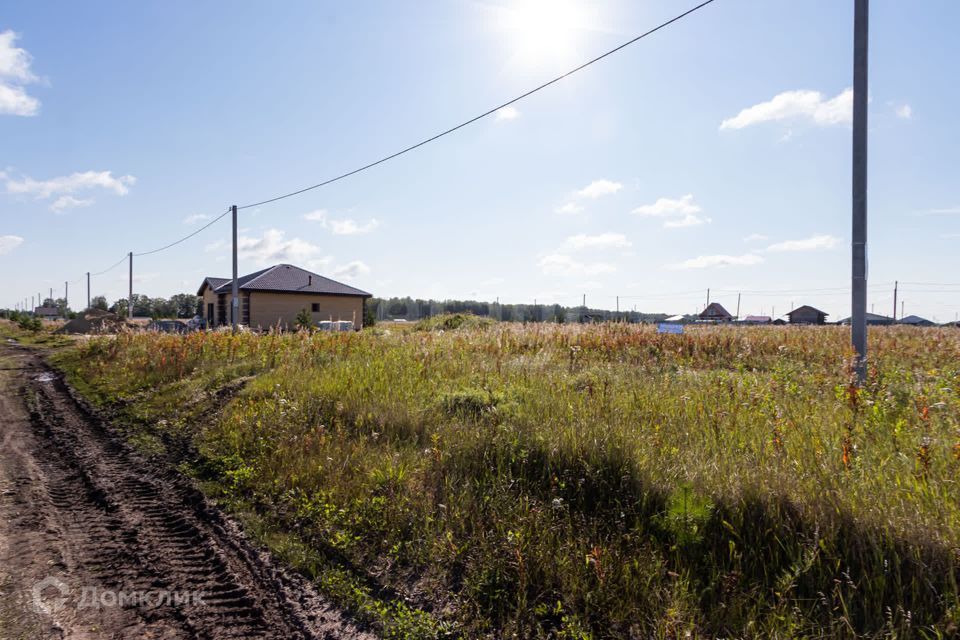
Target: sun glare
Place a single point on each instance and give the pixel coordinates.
(544, 31)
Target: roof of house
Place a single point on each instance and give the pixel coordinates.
(213, 283)
(715, 309)
(915, 320)
(874, 318)
(807, 307)
(47, 311)
(758, 319)
(283, 278)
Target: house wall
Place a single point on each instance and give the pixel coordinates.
(267, 308)
(805, 317)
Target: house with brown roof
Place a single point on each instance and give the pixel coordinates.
(275, 296)
(47, 313)
(807, 315)
(715, 313)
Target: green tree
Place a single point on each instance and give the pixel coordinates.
(369, 314)
(185, 305)
(304, 320)
(99, 302)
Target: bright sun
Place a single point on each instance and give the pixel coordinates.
(544, 31)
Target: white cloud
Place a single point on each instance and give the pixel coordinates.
(813, 243)
(704, 262)
(507, 113)
(319, 264)
(797, 105)
(195, 218)
(349, 227)
(564, 265)
(904, 111)
(669, 206)
(14, 73)
(598, 188)
(946, 211)
(14, 101)
(343, 227)
(320, 215)
(600, 241)
(272, 247)
(351, 270)
(570, 208)
(755, 237)
(63, 203)
(680, 212)
(688, 220)
(9, 243)
(65, 185)
(215, 246)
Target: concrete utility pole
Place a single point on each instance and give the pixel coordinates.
(66, 297)
(902, 303)
(895, 286)
(858, 316)
(708, 298)
(235, 287)
(738, 306)
(88, 289)
(130, 292)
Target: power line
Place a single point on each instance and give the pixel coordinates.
(110, 268)
(482, 115)
(184, 238)
(932, 284)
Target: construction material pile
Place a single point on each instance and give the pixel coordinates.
(93, 321)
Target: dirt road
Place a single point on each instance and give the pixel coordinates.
(97, 542)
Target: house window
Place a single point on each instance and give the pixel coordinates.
(315, 307)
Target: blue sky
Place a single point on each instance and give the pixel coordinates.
(715, 153)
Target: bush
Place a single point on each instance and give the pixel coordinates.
(453, 321)
(30, 324)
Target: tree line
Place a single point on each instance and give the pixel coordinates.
(412, 309)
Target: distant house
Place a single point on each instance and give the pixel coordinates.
(758, 320)
(872, 319)
(715, 313)
(276, 295)
(917, 321)
(47, 313)
(807, 315)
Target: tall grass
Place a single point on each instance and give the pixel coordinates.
(589, 481)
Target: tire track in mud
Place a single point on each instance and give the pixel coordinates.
(105, 520)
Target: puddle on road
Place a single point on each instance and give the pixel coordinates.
(45, 377)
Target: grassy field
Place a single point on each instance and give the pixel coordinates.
(574, 481)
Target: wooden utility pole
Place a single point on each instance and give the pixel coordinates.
(235, 287)
(130, 291)
(88, 289)
(66, 297)
(858, 316)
